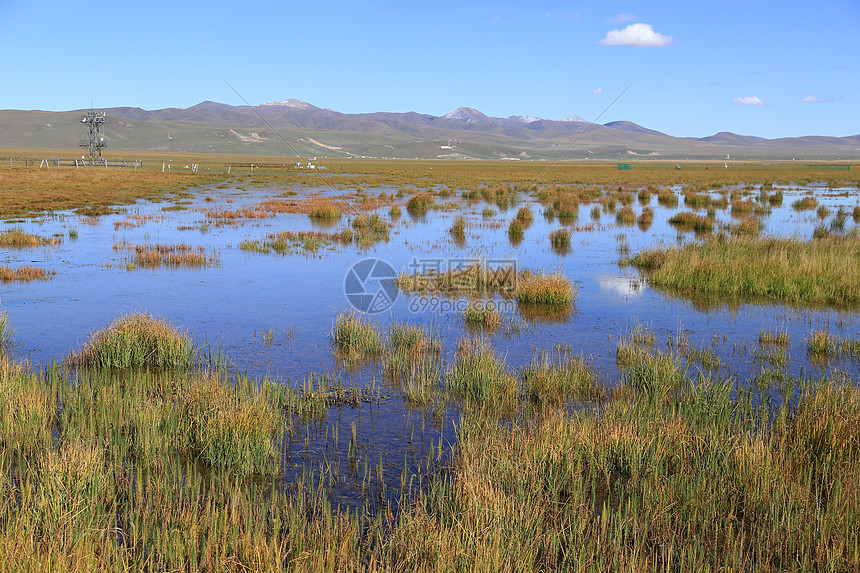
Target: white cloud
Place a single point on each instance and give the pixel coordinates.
(809, 98)
(636, 36)
(597, 91)
(618, 18)
(748, 100)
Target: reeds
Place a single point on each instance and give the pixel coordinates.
(820, 271)
(135, 341)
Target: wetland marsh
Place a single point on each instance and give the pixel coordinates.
(579, 368)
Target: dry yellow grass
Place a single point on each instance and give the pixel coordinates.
(23, 274)
(25, 191)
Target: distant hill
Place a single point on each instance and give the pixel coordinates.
(291, 126)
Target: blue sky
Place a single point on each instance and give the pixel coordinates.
(771, 69)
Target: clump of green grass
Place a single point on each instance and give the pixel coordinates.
(747, 226)
(626, 215)
(695, 200)
(595, 213)
(474, 279)
(653, 372)
(525, 215)
(488, 212)
(478, 316)
(5, 332)
(690, 220)
(625, 198)
(370, 229)
(825, 270)
(458, 229)
(821, 345)
(413, 339)
(479, 375)
(550, 289)
(237, 436)
(644, 196)
(413, 361)
(567, 210)
(775, 199)
(771, 338)
(355, 337)
(516, 230)
(807, 203)
(24, 273)
(845, 347)
(395, 212)
(645, 218)
(740, 207)
(136, 341)
(18, 239)
(73, 233)
(667, 198)
(325, 210)
(552, 379)
(420, 203)
(643, 336)
(560, 240)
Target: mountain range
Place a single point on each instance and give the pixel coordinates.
(294, 127)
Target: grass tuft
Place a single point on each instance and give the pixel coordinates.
(825, 270)
(355, 338)
(560, 240)
(18, 239)
(553, 379)
(479, 375)
(24, 274)
(136, 341)
(551, 289)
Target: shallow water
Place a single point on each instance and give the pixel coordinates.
(295, 298)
